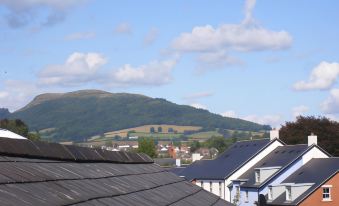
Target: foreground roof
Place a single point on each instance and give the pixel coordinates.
(38, 173)
(316, 171)
(279, 157)
(225, 164)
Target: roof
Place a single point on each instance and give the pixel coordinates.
(279, 157)
(8, 134)
(39, 173)
(226, 163)
(309, 174)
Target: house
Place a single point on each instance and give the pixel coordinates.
(216, 175)
(8, 134)
(39, 173)
(273, 169)
(315, 183)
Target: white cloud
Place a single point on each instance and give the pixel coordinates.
(153, 73)
(123, 28)
(229, 113)
(24, 12)
(151, 37)
(198, 95)
(213, 44)
(218, 59)
(273, 120)
(331, 104)
(323, 76)
(231, 37)
(17, 93)
(80, 36)
(249, 6)
(78, 68)
(299, 110)
(198, 106)
(82, 68)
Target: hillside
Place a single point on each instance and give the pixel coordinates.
(82, 114)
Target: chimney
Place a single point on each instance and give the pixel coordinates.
(274, 134)
(312, 139)
(178, 162)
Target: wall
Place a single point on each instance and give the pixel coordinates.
(316, 198)
(247, 166)
(252, 196)
(215, 186)
(314, 153)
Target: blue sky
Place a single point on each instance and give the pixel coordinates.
(264, 61)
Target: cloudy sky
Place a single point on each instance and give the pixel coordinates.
(264, 61)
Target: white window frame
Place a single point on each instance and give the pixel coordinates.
(270, 193)
(288, 194)
(220, 189)
(246, 196)
(257, 176)
(327, 193)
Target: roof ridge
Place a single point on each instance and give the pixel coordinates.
(54, 151)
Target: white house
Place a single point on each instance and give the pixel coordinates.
(216, 175)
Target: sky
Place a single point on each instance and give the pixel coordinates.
(263, 61)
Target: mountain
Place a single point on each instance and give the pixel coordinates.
(82, 114)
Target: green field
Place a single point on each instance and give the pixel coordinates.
(204, 135)
(156, 135)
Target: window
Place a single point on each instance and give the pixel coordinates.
(246, 196)
(288, 193)
(220, 189)
(327, 193)
(257, 176)
(210, 186)
(270, 193)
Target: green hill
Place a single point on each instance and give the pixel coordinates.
(82, 114)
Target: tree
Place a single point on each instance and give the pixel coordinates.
(195, 145)
(19, 127)
(147, 146)
(219, 143)
(326, 130)
(159, 129)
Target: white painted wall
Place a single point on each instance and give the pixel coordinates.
(215, 186)
(247, 166)
(313, 153)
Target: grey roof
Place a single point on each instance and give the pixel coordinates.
(38, 173)
(316, 171)
(279, 157)
(226, 163)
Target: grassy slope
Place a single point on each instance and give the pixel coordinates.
(80, 116)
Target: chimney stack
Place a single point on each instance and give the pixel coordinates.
(312, 139)
(274, 134)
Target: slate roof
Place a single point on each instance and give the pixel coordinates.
(39, 173)
(226, 163)
(316, 171)
(279, 157)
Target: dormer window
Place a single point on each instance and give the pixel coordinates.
(327, 192)
(257, 176)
